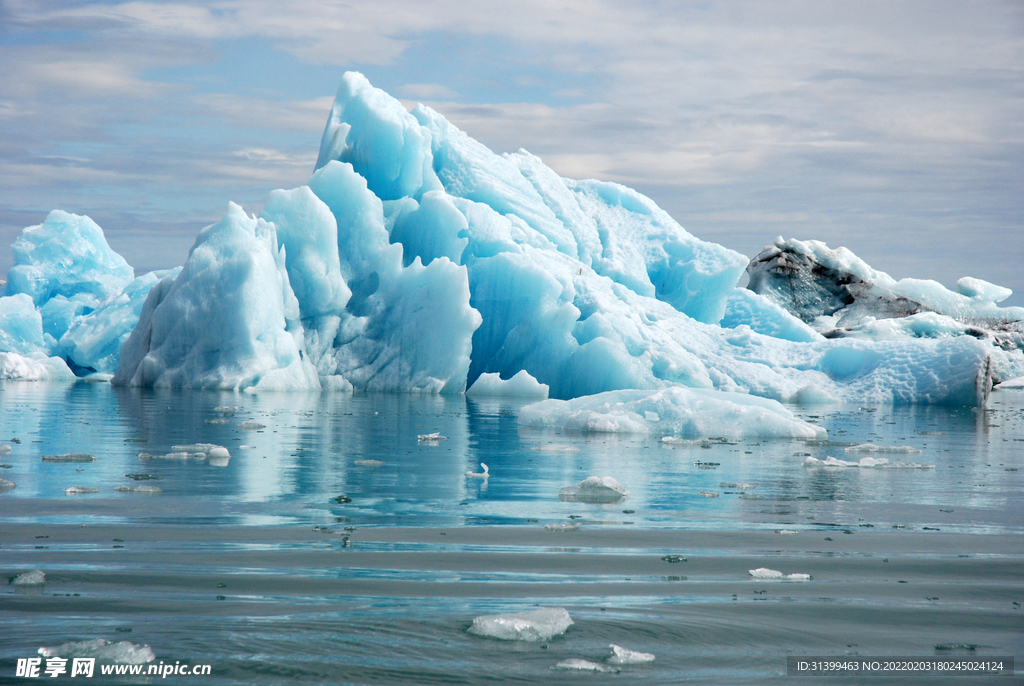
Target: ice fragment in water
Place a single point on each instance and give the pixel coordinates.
(6, 485)
(227, 408)
(566, 526)
(365, 463)
(536, 625)
(141, 490)
(556, 448)
(872, 448)
(124, 652)
(194, 448)
(866, 462)
(219, 421)
(624, 656)
(69, 457)
(578, 665)
(480, 475)
(246, 447)
(431, 438)
(594, 489)
(251, 426)
(32, 578)
(787, 532)
(708, 494)
(765, 573)
(742, 486)
(521, 385)
(78, 490)
(5, 449)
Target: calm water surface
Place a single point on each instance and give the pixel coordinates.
(337, 547)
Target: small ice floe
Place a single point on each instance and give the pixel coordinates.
(219, 457)
(79, 490)
(141, 489)
(872, 448)
(787, 532)
(218, 421)
(69, 457)
(6, 485)
(251, 426)
(480, 475)
(575, 664)
(674, 440)
(864, 463)
(558, 448)
(123, 653)
(739, 486)
(431, 438)
(765, 573)
(247, 447)
(5, 449)
(33, 578)
(566, 526)
(594, 489)
(368, 463)
(145, 457)
(227, 408)
(708, 494)
(625, 656)
(536, 625)
(194, 448)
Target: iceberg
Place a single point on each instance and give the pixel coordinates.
(595, 490)
(415, 259)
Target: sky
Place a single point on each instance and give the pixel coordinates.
(895, 129)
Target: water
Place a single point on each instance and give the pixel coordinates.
(340, 548)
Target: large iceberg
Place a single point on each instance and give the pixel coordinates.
(416, 259)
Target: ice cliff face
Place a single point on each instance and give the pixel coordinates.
(416, 259)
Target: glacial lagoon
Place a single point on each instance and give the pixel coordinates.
(338, 546)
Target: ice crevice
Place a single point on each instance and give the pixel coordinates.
(415, 259)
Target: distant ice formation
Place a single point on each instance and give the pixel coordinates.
(536, 625)
(595, 489)
(417, 260)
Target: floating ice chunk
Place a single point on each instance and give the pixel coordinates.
(536, 625)
(251, 426)
(556, 448)
(69, 457)
(562, 526)
(6, 485)
(787, 532)
(79, 490)
(1015, 383)
(141, 489)
(221, 421)
(218, 451)
(15, 367)
(708, 494)
(227, 409)
(32, 578)
(246, 447)
(866, 462)
(480, 475)
(194, 448)
(522, 385)
(173, 456)
(431, 438)
(765, 573)
(675, 440)
(219, 457)
(872, 448)
(740, 485)
(5, 449)
(688, 411)
(625, 656)
(367, 463)
(576, 664)
(594, 489)
(124, 652)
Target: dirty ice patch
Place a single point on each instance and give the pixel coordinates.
(689, 412)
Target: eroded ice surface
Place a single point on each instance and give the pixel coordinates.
(522, 385)
(536, 625)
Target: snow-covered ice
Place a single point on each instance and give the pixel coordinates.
(522, 385)
(536, 625)
(765, 573)
(595, 489)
